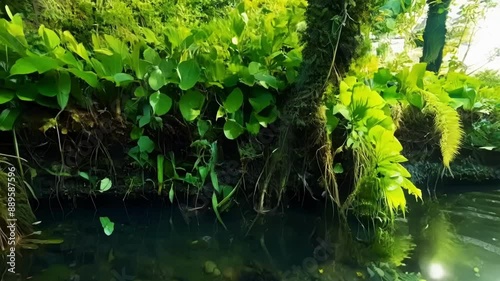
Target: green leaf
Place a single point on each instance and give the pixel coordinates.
(234, 101)
(189, 73)
(107, 225)
(64, 88)
(28, 92)
(190, 105)
(254, 68)
(232, 129)
(122, 79)
(203, 170)
(171, 193)
(140, 92)
(23, 66)
(160, 103)
(261, 99)
(214, 179)
(29, 65)
(156, 80)
(216, 210)
(105, 185)
(203, 127)
(338, 169)
(88, 76)
(84, 175)
(146, 144)
(144, 120)
(6, 95)
(50, 38)
(136, 133)
(151, 56)
(7, 118)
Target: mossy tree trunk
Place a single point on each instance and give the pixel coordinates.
(435, 34)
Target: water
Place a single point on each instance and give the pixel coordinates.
(154, 242)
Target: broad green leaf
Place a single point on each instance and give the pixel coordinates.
(203, 127)
(156, 80)
(189, 73)
(146, 144)
(234, 101)
(254, 68)
(6, 95)
(151, 56)
(23, 66)
(7, 118)
(140, 92)
(28, 92)
(107, 225)
(232, 129)
(136, 133)
(50, 38)
(88, 76)
(63, 89)
(190, 104)
(260, 99)
(48, 85)
(122, 79)
(160, 103)
(144, 120)
(253, 126)
(105, 185)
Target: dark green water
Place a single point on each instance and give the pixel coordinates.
(154, 242)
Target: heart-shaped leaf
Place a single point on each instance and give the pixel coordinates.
(160, 103)
(146, 144)
(234, 101)
(156, 80)
(189, 73)
(105, 185)
(190, 104)
(232, 129)
(107, 225)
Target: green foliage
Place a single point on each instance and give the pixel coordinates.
(380, 177)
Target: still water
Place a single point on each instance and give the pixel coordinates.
(155, 242)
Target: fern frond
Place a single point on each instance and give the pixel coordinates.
(447, 123)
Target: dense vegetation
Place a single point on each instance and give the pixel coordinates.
(216, 99)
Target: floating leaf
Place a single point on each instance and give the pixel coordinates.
(107, 225)
(234, 101)
(105, 185)
(160, 103)
(189, 73)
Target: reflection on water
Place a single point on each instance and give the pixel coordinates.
(155, 243)
(460, 241)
